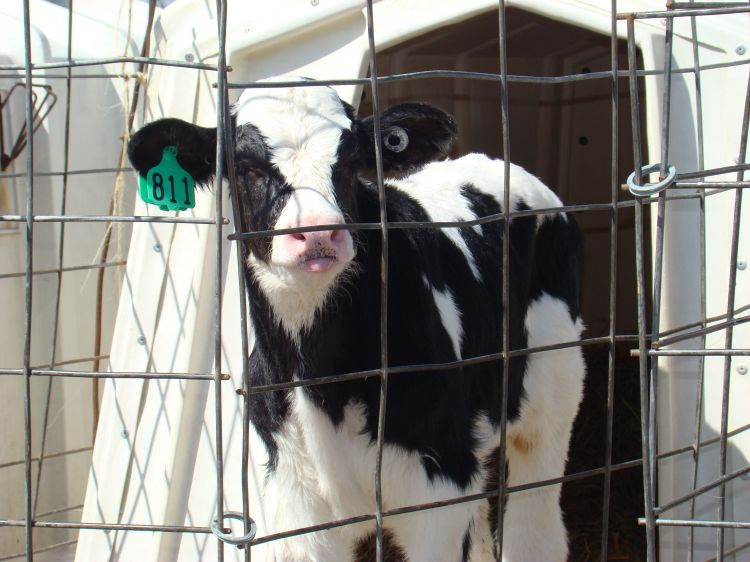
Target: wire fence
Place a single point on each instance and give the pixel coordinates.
(652, 343)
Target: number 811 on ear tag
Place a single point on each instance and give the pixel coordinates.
(167, 185)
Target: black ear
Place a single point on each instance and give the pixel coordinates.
(413, 134)
(196, 147)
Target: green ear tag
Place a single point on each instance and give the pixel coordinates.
(167, 184)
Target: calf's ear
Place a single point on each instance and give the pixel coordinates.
(196, 147)
(413, 134)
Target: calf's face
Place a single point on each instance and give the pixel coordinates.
(296, 168)
(297, 155)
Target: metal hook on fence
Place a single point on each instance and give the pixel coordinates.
(651, 188)
(226, 536)
(42, 108)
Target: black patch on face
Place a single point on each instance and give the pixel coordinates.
(263, 190)
(344, 175)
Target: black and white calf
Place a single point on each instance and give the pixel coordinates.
(315, 303)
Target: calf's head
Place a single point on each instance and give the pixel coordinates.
(298, 153)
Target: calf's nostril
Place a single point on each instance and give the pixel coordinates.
(299, 236)
(337, 235)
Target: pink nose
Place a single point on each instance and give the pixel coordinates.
(317, 250)
(325, 242)
(310, 240)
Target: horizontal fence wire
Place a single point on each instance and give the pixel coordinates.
(48, 76)
(699, 523)
(687, 12)
(321, 380)
(68, 269)
(365, 517)
(733, 550)
(77, 63)
(67, 509)
(112, 218)
(485, 76)
(86, 172)
(654, 348)
(42, 549)
(48, 456)
(433, 505)
(386, 78)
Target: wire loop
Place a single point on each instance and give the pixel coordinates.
(651, 188)
(226, 536)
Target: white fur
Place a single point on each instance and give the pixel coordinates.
(449, 314)
(437, 187)
(294, 295)
(533, 527)
(302, 127)
(327, 473)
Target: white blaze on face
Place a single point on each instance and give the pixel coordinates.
(302, 128)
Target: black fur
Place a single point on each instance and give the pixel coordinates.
(196, 147)
(558, 262)
(430, 133)
(466, 545)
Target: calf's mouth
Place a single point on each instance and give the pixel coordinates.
(319, 260)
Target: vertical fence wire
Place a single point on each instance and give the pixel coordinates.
(641, 289)
(218, 217)
(29, 515)
(379, 539)
(730, 311)
(661, 216)
(239, 226)
(60, 262)
(613, 240)
(502, 485)
(245, 391)
(651, 385)
(702, 257)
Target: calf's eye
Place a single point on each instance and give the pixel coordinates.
(396, 139)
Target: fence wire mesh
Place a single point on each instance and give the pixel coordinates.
(650, 343)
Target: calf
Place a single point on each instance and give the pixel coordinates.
(315, 307)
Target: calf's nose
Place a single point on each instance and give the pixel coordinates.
(327, 242)
(313, 250)
(319, 237)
